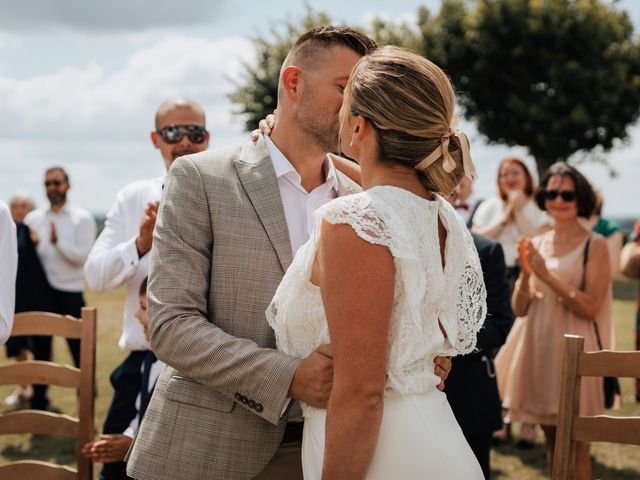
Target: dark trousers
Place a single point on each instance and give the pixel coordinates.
(63, 303)
(480, 443)
(126, 380)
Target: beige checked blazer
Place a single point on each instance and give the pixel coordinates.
(220, 249)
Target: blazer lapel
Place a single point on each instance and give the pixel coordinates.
(259, 181)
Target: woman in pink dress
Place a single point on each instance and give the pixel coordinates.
(563, 288)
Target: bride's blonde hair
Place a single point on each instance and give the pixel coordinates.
(410, 102)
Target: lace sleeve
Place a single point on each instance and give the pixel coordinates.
(471, 303)
(358, 211)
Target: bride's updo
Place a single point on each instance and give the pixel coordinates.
(410, 102)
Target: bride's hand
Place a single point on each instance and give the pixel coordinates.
(442, 369)
(264, 126)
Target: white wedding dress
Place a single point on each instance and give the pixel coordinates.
(419, 436)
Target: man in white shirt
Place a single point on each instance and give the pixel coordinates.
(8, 268)
(120, 256)
(65, 233)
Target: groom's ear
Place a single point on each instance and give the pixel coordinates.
(291, 80)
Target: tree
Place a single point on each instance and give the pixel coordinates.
(257, 93)
(556, 76)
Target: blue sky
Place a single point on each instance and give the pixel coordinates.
(80, 82)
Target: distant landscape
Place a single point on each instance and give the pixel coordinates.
(626, 223)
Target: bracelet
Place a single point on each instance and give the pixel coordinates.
(569, 296)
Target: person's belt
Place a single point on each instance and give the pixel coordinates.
(293, 433)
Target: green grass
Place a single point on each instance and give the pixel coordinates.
(619, 462)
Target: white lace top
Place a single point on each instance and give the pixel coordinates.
(424, 292)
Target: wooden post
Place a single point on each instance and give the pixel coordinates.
(87, 389)
(564, 452)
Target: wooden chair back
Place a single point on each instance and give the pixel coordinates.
(39, 372)
(572, 427)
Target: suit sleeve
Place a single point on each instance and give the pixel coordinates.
(499, 315)
(181, 334)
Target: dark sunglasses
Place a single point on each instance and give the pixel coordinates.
(566, 195)
(175, 133)
(55, 183)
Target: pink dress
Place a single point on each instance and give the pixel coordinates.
(529, 365)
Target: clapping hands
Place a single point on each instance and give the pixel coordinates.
(531, 262)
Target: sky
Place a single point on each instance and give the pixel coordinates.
(80, 82)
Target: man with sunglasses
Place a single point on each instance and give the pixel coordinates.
(65, 233)
(120, 257)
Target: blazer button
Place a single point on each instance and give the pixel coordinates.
(252, 404)
(259, 407)
(245, 400)
(238, 397)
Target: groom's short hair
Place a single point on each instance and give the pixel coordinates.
(311, 43)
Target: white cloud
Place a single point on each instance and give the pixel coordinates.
(82, 102)
(97, 122)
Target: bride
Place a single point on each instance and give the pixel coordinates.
(390, 278)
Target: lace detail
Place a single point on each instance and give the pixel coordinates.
(357, 211)
(425, 294)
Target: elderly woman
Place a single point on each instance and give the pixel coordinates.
(564, 287)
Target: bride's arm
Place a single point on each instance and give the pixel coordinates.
(357, 285)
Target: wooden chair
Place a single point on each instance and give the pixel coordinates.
(39, 372)
(572, 427)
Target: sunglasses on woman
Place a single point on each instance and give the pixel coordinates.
(175, 133)
(565, 195)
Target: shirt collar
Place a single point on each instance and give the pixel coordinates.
(65, 208)
(283, 167)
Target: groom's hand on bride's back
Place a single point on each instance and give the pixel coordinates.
(314, 377)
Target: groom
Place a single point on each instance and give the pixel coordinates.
(228, 227)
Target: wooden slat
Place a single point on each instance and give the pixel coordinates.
(38, 422)
(609, 364)
(564, 451)
(45, 323)
(36, 470)
(39, 372)
(604, 428)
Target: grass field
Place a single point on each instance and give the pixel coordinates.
(615, 462)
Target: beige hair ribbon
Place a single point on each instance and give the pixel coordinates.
(448, 163)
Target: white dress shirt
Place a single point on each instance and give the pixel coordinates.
(113, 261)
(490, 214)
(8, 269)
(63, 261)
(299, 204)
